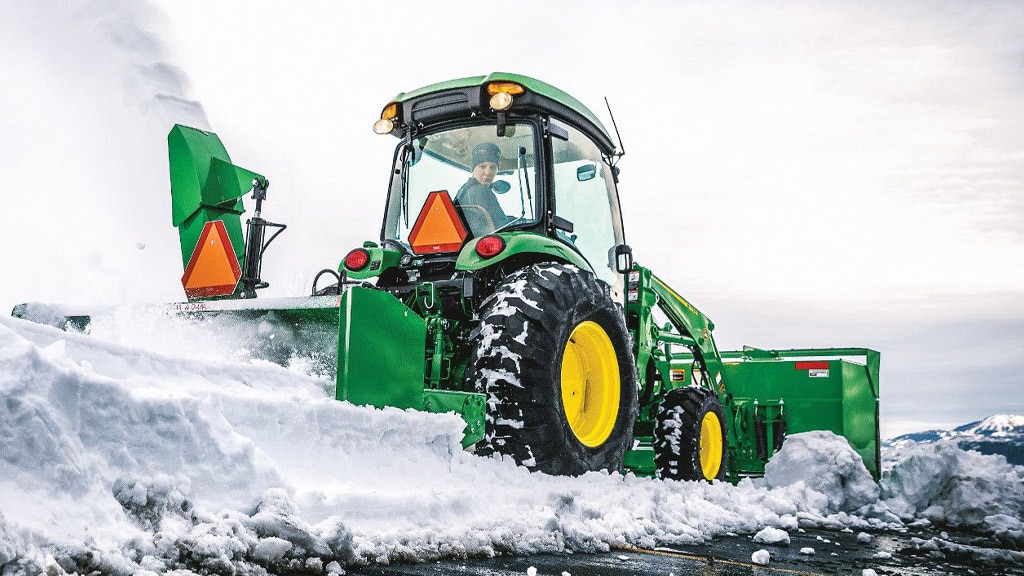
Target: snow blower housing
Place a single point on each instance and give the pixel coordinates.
(502, 288)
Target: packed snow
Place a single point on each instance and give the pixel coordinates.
(152, 445)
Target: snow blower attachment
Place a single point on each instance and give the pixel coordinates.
(502, 288)
(206, 207)
(222, 267)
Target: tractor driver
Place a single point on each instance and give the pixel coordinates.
(476, 198)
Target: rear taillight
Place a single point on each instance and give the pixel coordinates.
(490, 246)
(357, 259)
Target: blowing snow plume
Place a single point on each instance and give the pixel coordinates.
(152, 81)
(90, 92)
(107, 41)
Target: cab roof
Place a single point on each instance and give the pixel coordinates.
(421, 105)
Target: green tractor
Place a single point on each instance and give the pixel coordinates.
(502, 288)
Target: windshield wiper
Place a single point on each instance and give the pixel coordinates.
(524, 182)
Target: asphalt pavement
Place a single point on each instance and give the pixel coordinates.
(917, 552)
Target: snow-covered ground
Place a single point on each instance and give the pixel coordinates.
(153, 445)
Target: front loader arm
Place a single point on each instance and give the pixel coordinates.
(689, 327)
(766, 394)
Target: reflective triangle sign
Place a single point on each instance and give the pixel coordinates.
(438, 227)
(213, 268)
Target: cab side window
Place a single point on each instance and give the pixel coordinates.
(585, 196)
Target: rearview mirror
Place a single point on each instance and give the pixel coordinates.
(623, 258)
(586, 172)
(500, 186)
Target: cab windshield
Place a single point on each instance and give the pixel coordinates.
(489, 180)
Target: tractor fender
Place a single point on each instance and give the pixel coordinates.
(518, 244)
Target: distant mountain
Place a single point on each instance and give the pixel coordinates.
(1000, 434)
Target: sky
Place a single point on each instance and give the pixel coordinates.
(808, 174)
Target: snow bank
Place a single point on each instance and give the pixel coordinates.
(139, 455)
(944, 484)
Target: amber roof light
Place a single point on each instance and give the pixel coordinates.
(388, 117)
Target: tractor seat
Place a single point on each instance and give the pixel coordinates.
(477, 219)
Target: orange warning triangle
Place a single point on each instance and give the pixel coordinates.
(213, 268)
(438, 227)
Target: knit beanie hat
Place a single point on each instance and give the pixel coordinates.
(485, 152)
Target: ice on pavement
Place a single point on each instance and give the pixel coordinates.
(142, 453)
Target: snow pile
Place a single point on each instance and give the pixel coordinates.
(844, 484)
(119, 458)
(942, 483)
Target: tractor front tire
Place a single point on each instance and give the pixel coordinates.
(689, 436)
(553, 356)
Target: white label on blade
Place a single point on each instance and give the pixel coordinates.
(818, 372)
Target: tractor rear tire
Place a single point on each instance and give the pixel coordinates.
(554, 358)
(689, 436)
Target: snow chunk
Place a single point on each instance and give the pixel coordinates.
(276, 519)
(807, 551)
(271, 549)
(826, 464)
(760, 557)
(149, 500)
(1005, 528)
(770, 535)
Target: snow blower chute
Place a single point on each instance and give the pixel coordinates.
(502, 288)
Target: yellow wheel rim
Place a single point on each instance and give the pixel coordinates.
(710, 445)
(590, 384)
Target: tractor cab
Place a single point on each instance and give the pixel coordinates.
(501, 169)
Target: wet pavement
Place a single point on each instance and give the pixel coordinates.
(918, 552)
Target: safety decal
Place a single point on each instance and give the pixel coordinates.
(213, 269)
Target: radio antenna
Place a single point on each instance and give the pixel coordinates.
(622, 149)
